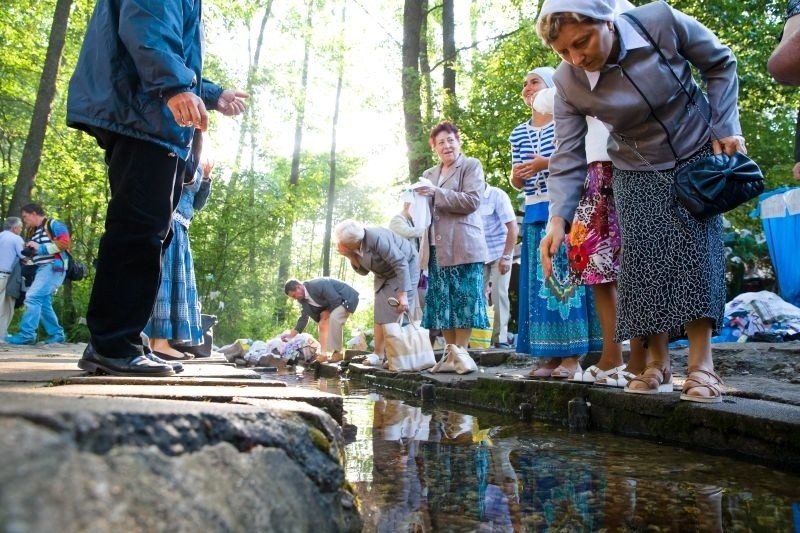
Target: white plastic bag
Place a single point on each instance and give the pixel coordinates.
(455, 359)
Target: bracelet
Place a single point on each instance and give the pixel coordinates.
(507, 257)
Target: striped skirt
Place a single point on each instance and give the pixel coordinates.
(176, 315)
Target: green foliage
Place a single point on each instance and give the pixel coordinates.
(495, 103)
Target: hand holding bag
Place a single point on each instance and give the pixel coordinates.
(455, 359)
(408, 348)
(715, 184)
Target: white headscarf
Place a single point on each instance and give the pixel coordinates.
(597, 9)
(546, 73)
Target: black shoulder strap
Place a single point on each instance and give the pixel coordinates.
(660, 53)
(674, 75)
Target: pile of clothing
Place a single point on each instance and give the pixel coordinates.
(302, 348)
(759, 317)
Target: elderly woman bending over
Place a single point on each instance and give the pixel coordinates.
(394, 262)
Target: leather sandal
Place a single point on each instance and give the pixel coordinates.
(656, 378)
(540, 373)
(616, 377)
(696, 378)
(561, 372)
(593, 374)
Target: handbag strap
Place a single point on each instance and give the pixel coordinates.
(674, 75)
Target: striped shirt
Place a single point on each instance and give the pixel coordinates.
(527, 141)
(43, 255)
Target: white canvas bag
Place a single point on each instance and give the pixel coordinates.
(408, 348)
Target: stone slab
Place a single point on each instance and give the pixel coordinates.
(178, 379)
(331, 403)
(27, 370)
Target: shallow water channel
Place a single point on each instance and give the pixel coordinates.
(448, 468)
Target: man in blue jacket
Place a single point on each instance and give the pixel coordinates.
(138, 89)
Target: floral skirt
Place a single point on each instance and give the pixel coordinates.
(455, 296)
(673, 265)
(556, 318)
(594, 242)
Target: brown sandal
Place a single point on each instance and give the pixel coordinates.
(697, 377)
(656, 378)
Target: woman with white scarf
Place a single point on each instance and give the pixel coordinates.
(556, 322)
(672, 278)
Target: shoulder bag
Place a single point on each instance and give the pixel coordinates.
(715, 184)
(408, 348)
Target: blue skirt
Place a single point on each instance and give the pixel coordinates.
(556, 318)
(176, 315)
(455, 297)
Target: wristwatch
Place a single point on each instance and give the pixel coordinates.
(507, 257)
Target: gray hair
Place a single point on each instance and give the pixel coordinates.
(11, 223)
(348, 232)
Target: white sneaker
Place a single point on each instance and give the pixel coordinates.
(373, 359)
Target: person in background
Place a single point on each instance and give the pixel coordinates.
(672, 276)
(176, 315)
(501, 231)
(453, 248)
(11, 245)
(594, 249)
(329, 302)
(138, 89)
(784, 66)
(393, 261)
(48, 238)
(556, 323)
(404, 225)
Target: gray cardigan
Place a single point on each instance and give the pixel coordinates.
(456, 225)
(390, 257)
(615, 101)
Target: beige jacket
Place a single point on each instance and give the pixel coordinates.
(456, 226)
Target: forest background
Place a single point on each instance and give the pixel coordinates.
(343, 93)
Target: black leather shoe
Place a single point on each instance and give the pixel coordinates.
(176, 365)
(129, 366)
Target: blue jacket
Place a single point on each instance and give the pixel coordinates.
(135, 56)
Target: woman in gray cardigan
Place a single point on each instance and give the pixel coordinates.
(454, 247)
(394, 262)
(672, 278)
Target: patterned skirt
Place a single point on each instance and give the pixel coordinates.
(176, 315)
(556, 318)
(673, 265)
(594, 242)
(455, 296)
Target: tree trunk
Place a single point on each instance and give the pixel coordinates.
(413, 15)
(32, 151)
(449, 53)
(285, 245)
(425, 69)
(326, 242)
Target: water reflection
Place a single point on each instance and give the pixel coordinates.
(418, 469)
